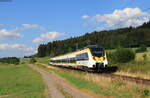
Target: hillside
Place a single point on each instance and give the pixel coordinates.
(109, 39)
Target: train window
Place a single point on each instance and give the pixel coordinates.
(98, 52)
(51, 60)
(66, 60)
(83, 56)
(72, 60)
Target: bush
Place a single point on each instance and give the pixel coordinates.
(32, 60)
(142, 48)
(146, 92)
(122, 55)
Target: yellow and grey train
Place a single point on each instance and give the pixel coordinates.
(91, 56)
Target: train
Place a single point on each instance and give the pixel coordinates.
(90, 57)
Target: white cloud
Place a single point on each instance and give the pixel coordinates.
(49, 36)
(16, 50)
(32, 26)
(85, 17)
(9, 35)
(120, 18)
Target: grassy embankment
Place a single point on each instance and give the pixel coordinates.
(20, 81)
(101, 86)
(140, 67)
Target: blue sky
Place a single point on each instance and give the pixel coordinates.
(24, 24)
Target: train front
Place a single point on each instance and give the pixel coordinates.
(99, 57)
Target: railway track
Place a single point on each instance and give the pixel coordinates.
(110, 75)
(128, 78)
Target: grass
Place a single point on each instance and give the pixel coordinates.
(44, 60)
(24, 60)
(139, 67)
(20, 81)
(139, 56)
(102, 86)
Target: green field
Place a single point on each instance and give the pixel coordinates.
(44, 60)
(20, 81)
(102, 86)
(139, 67)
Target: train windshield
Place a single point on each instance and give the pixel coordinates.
(98, 52)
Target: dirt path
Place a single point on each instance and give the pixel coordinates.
(57, 87)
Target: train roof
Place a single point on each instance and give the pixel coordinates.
(93, 46)
(89, 46)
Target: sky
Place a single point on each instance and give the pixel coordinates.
(25, 24)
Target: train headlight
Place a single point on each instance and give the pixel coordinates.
(94, 58)
(104, 58)
(101, 58)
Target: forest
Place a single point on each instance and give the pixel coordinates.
(109, 39)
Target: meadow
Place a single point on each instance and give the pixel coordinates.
(139, 67)
(20, 81)
(44, 60)
(101, 87)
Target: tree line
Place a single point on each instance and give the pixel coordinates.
(109, 39)
(10, 60)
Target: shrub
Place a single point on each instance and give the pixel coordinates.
(32, 60)
(146, 92)
(142, 48)
(122, 55)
